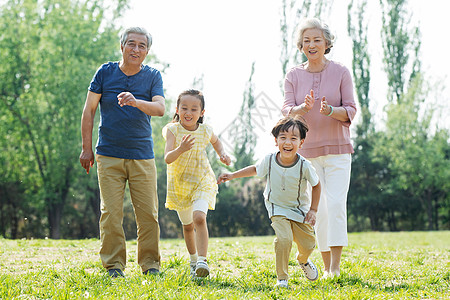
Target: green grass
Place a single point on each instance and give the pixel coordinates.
(400, 265)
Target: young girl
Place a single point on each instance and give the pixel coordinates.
(191, 183)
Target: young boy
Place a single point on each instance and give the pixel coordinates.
(287, 202)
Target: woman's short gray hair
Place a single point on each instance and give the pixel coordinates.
(314, 23)
(139, 30)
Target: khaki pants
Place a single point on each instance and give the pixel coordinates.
(287, 231)
(113, 173)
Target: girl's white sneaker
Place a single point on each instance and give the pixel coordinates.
(192, 267)
(202, 269)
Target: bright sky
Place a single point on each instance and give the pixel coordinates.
(219, 40)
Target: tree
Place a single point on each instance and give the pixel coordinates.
(399, 39)
(169, 222)
(245, 139)
(418, 180)
(414, 190)
(365, 199)
(363, 192)
(292, 13)
(401, 51)
(360, 63)
(240, 207)
(43, 90)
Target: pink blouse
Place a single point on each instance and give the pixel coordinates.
(326, 135)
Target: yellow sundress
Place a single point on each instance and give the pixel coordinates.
(190, 177)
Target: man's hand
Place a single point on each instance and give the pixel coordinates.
(126, 98)
(87, 159)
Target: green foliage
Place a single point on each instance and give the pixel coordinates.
(292, 12)
(399, 39)
(402, 182)
(49, 52)
(376, 265)
(240, 208)
(363, 193)
(418, 181)
(169, 222)
(245, 141)
(396, 184)
(358, 31)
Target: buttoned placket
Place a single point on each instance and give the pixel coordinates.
(316, 84)
(128, 82)
(283, 180)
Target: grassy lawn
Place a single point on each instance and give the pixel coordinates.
(376, 265)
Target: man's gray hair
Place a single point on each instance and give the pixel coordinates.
(139, 30)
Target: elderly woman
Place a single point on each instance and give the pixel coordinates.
(321, 91)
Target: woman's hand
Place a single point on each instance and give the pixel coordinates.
(309, 101)
(325, 109)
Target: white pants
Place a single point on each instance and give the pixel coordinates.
(331, 219)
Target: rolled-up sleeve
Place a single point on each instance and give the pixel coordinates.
(289, 95)
(348, 100)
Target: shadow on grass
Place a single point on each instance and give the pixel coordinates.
(353, 280)
(242, 284)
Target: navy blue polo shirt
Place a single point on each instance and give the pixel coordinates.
(125, 132)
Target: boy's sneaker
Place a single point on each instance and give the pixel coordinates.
(283, 283)
(192, 267)
(201, 269)
(310, 270)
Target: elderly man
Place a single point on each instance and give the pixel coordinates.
(129, 93)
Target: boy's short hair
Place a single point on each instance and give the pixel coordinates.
(284, 124)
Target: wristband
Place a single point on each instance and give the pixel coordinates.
(331, 112)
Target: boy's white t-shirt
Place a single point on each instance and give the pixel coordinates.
(285, 195)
